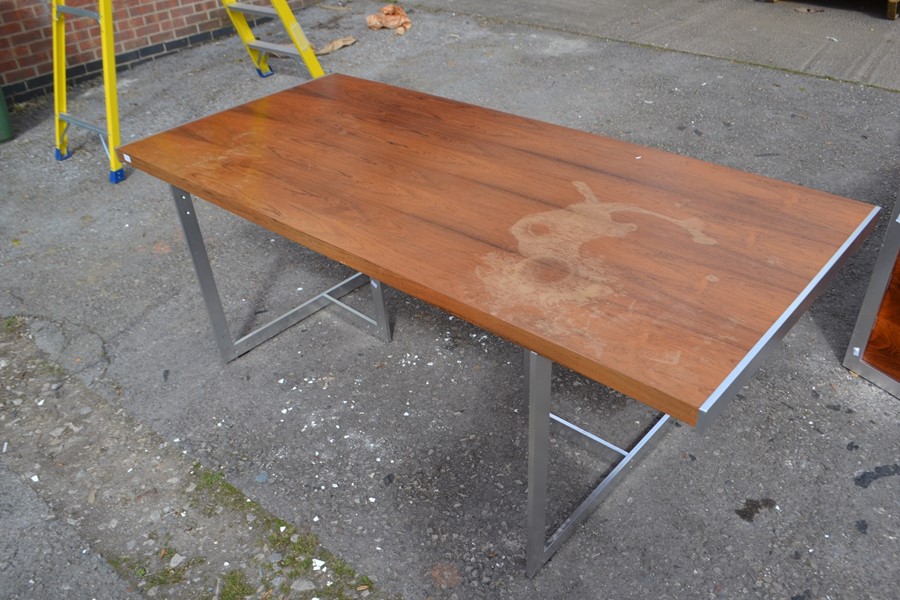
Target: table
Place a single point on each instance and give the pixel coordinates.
(666, 278)
(874, 350)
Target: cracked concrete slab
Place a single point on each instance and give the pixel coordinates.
(113, 509)
(45, 567)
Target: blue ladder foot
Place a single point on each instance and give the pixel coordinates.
(268, 73)
(61, 156)
(117, 176)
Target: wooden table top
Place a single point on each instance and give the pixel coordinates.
(661, 276)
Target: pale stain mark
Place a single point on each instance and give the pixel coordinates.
(555, 280)
(672, 358)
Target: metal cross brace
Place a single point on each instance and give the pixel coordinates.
(230, 348)
(539, 550)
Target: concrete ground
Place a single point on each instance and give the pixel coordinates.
(407, 460)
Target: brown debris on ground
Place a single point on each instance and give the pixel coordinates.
(391, 16)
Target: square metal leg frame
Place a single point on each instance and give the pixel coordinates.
(230, 348)
(871, 306)
(537, 385)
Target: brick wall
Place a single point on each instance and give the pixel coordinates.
(144, 30)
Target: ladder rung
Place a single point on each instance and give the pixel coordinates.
(83, 124)
(289, 49)
(78, 12)
(252, 9)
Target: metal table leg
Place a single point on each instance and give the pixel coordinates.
(230, 348)
(537, 381)
(538, 371)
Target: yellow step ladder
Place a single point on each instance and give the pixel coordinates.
(259, 50)
(109, 134)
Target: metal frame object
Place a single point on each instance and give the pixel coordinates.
(539, 549)
(868, 313)
(258, 49)
(109, 134)
(230, 348)
(538, 372)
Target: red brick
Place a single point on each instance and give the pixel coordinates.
(79, 23)
(46, 67)
(18, 14)
(82, 35)
(181, 11)
(20, 74)
(148, 29)
(129, 45)
(83, 30)
(186, 31)
(37, 24)
(86, 47)
(126, 34)
(34, 48)
(209, 25)
(141, 8)
(159, 38)
(35, 59)
(7, 66)
(204, 7)
(155, 17)
(21, 39)
(195, 19)
(73, 57)
(45, 53)
(220, 18)
(87, 43)
(10, 28)
(82, 57)
(20, 51)
(131, 23)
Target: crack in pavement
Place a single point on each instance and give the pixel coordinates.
(169, 527)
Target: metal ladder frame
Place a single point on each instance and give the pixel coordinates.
(259, 50)
(109, 135)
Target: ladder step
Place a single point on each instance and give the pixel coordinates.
(252, 9)
(78, 12)
(287, 49)
(66, 117)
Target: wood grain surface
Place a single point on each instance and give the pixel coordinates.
(649, 272)
(883, 348)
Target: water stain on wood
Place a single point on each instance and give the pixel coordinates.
(559, 265)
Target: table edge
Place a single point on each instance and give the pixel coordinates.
(747, 368)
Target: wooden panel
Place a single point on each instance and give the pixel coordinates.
(650, 272)
(883, 348)
(874, 350)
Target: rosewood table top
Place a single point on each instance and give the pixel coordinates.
(661, 276)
